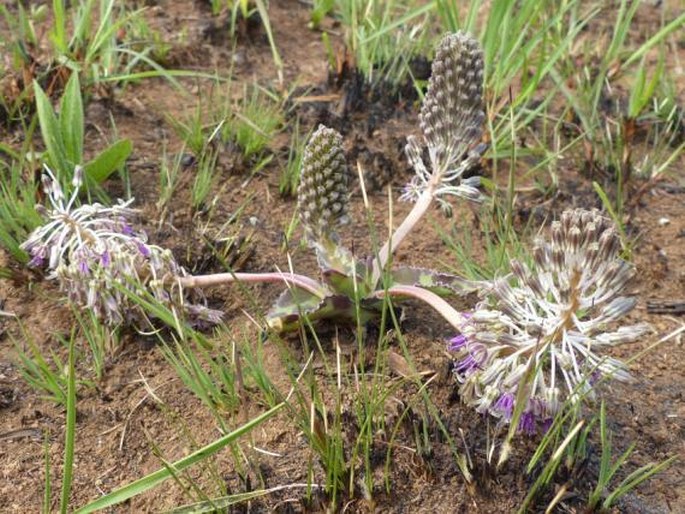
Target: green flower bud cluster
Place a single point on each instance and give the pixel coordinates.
(452, 111)
(322, 195)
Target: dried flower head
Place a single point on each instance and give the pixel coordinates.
(451, 119)
(97, 257)
(550, 317)
(322, 195)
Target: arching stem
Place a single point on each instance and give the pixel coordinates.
(291, 279)
(449, 313)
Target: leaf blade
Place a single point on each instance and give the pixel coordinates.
(100, 168)
(153, 479)
(71, 120)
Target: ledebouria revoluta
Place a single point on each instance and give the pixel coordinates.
(552, 317)
(102, 263)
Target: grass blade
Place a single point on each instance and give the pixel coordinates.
(227, 501)
(153, 479)
(276, 56)
(636, 478)
(47, 494)
(70, 431)
(679, 22)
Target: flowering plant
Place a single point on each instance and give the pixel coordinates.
(535, 338)
(451, 121)
(531, 345)
(102, 263)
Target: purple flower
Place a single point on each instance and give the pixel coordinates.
(595, 377)
(457, 343)
(105, 259)
(505, 405)
(37, 261)
(92, 269)
(83, 267)
(527, 423)
(467, 365)
(39, 253)
(144, 250)
(126, 229)
(474, 361)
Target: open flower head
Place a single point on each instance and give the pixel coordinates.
(451, 120)
(97, 258)
(552, 317)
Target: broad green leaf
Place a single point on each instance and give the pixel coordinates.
(336, 257)
(285, 313)
(288, 313)
(71, 119)
(292, 301)
(441, 284)
(100, 168)
(52, 136)
(343, 284)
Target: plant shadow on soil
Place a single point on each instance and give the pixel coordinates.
(119, 422)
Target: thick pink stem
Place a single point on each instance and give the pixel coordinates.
(451, 315)
(417, 212)
(291, 279)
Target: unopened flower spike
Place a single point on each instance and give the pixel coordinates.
(451, 121)
(322, 198)
(555, 315)
(322, 195)
(97, 258)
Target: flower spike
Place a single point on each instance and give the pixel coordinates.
(322, 195)
(553, 315)
(451, 120)
(100, 261)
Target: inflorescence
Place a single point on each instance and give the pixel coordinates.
(549, 318)
(103, 264)
(451, 120)
(322, 195)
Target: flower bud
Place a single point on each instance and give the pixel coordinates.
(323, 191)
(452, 111)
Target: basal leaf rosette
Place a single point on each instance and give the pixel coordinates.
(545, 326)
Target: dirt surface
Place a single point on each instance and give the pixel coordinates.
(140, 404)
